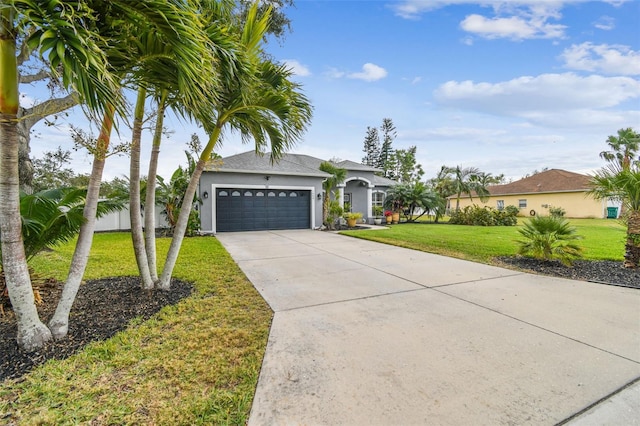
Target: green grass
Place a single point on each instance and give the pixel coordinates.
(603, 239)
(193, 363)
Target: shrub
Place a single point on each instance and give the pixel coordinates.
(483, 216)
(512, 210)
(548, 237)
(557, 211)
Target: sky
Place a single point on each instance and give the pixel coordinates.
(508, 87)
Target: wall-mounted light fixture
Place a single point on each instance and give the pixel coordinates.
(319, 196)
(267, 177)
(205, 195)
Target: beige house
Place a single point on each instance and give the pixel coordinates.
(534, 195)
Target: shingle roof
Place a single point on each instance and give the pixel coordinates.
(352, 165)
(554, 180)
(250, 162)
(289, 164)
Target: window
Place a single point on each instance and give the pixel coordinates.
(377, 203)
(223, 194)
(235, 194)
(500, 204)
(522, 204)
(248, 194)
(347, 202)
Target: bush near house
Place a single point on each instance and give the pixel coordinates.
(484, 216)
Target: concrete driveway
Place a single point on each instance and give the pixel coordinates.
(370, 334)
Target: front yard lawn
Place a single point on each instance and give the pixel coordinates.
(603, 239)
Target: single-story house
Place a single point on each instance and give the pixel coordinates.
(534, 195)
(247, 192)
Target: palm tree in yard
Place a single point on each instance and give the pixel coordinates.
(59, 30)
(120, 21)
(259, 101)
(616, 182)
(624, 148)
(338, 176)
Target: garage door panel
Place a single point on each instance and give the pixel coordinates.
(259, 209)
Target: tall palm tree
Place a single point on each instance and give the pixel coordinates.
(338, 175)
(60, 31)
(260, 102)
(120, 22)
(624, 148)
(622, 184)
(463, 181)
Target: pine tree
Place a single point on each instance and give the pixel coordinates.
(371, 147)
(386, 152)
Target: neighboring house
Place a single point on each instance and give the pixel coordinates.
(535, 194)
(248, 192)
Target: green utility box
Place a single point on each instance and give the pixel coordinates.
(612, 212)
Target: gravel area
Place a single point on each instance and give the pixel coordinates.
(605, 271)
(102, 308)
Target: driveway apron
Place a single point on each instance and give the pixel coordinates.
(370, 334)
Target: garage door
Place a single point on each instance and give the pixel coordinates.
(259, 209)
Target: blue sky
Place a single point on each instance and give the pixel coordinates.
(506, 86)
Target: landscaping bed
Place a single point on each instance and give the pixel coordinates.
(102, 308)
(600, 271)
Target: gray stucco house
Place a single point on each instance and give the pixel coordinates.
(245, 192)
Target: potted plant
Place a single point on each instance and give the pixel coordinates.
(388, 216)
(377, 215)
(352, 218)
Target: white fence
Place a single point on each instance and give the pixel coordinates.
(120, 221)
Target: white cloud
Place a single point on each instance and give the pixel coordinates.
(370, 72)
(556, 100)
(609, 59)
(297, 68)
(334, 73)
(605, 23)
(26, 101)
(416, 80)
(514, 27)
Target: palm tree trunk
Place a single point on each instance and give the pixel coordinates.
(32, 333)
(135, 214)
(59, 324)
(150, 199)
(183, 218)
(632, 254)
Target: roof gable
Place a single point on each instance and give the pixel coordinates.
(554, 180)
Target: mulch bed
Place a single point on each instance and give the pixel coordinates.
(604, 271)
(101, 309)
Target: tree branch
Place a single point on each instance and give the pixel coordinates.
(40, 75)
(52, 106)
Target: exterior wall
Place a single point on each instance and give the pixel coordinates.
(576, 204)
(210, 181)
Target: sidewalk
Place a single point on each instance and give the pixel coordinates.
(371, 334)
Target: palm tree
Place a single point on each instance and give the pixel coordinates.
(54, 216)
(338, 176)
(616, 182)
(461, 182)
(61, 33)
(260, 102)
(120, 22)
(548, 237)
(624, 148)
(420, 198)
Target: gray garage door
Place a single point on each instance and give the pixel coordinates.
(259, 209)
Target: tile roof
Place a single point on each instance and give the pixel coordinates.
(554, 180)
